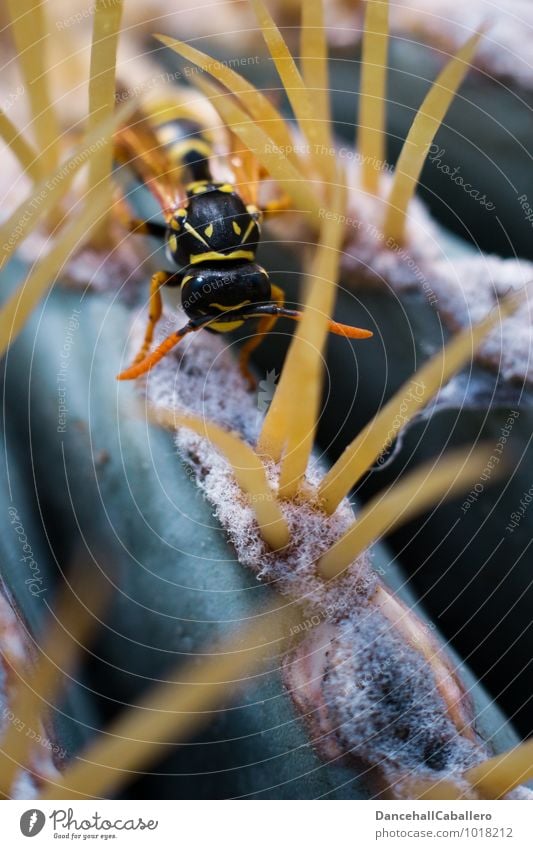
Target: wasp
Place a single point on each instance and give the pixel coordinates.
(212, 231)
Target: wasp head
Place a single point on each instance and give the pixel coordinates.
(221, 289)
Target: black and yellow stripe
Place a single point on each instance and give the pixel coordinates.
(187, 146)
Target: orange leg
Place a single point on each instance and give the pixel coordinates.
(260, 311)
(265, 325)
(154, 312)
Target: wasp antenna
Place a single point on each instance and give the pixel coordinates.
(333, 326)
(348, 331)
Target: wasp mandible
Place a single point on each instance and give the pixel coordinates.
(211, 231)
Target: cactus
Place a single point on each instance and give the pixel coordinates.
(367, 697)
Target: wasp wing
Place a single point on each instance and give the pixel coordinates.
(138, 147)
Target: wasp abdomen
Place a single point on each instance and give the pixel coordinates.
(218, 289)
(187, 145)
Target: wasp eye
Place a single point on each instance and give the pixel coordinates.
(254, 212)
(178, 219)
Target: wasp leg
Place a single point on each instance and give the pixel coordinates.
(265, 325)
(137, 225)
(279, 204)
(155, 310)
(138, 369)
(244, 314)
(145, 228)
